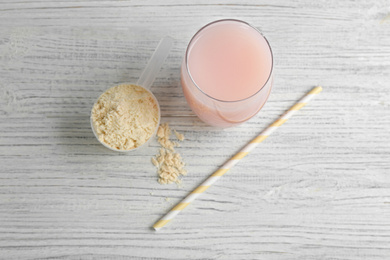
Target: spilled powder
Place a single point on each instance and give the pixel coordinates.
(179, 136)
(125, 117)
(170, 165)
(163, 134)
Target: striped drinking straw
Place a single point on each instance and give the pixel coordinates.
(235, 159)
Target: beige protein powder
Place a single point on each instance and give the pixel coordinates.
(170, 165)
(125, 117)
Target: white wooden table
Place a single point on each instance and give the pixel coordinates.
(319, 188)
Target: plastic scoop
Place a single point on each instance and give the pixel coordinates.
(155, 63)
(145, 81)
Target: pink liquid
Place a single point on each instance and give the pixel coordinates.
(230, 61)
(227, 73)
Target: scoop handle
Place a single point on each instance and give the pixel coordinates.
(155, 63)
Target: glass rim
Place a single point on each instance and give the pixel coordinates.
(227, 20)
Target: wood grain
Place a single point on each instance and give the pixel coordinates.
(319, 188)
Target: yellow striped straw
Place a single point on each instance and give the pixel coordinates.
(235, 159)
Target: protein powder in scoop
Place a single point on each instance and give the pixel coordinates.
(125, 117)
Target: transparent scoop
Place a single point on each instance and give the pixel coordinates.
(146, 80)
(155, 63)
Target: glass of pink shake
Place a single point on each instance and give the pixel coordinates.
(227, 71)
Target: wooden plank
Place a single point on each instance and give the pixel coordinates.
(316, 189)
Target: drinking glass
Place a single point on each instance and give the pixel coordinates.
(245, 59)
